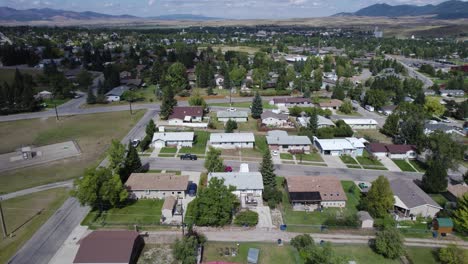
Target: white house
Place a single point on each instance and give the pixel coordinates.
(44, 95)
(361, 123)
(452, 93)
(272, 119)
(410, 200)
(163, 139)
(115, 94)
(232, 140)
(156, 185)
(186, 114)
(321, 121)
(429, 128)
(333, 104)
(291, 101)
(393, 151)
(281, 141)
(340, 146)
(245, 182)
(238, 116)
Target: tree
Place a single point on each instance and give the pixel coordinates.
(150, 128)
(213, 161)
(268, 170)
(246, 218)
(433, 106)
(338, 92)
(176, 77)
(214, 204)
(116, 154)
(389, 243)
(231, 125)
(453, 255)
(197, 100)
(379, 199)
(375, 97)
(130, 97)
(257, 106)
(312, 126)
(443, 148)
(185, 250)
(259, 76)
(84, 78)
(100, 188)
(390, 128)
(168, 103)
(346, 107)
(91, 99)
(311, 254)
(132, 163)
(460, 215)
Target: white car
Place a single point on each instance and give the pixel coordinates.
(275, 153)
(232, 109)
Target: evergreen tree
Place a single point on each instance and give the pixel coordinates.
(150, 128)
(231, 125)
(338, 92)
(132, 163)
(390, 128)
(213, 161)
(460, 215)
(91, 99)
(313, 122)
(257, 106)
(435, 178)
(168, 103)
(227, 80)
(268, 171)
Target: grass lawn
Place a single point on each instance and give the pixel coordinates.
(287, 156)
(143, 211)
(354, 166)
(147, 93)
(167, 150)
(249, 126)
(310, 157)
(374, 168)
(439, 198)
(167, 171)
(366, 159)
(257, 152)
(362, 254)
(348, 159)
(199, 146)
(403, 165)
(373, 134)
(93, 133)
(269, 253)
(422, 255)
(261, 143)
(265, 104)
(353, 113)
(22, 218)
(156, 253)
(421, 167)
(51, 102)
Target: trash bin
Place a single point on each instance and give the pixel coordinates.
(434, 234)
(283, 227)
(280, 241)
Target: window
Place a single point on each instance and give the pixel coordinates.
(331, 194)
(172, 192)
(147, 191)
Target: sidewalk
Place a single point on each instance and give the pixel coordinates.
(387, 162)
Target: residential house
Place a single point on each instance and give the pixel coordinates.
(340, 146)
(282, 142)
(410, 200)
(106, 246)
(321, 121)
(392, 151)
(291, 101)
(164, 139)
(132, 82)
(333, 104)
(44, 95)
(219, 79)
(245, 183)
(452, 93)
(456, 191)
(361, 123)
(430, 127)
(115, 94)
(388, 110)
(272, 119)
(366, 219)
(238, 116)
(186, 114)
(316, 192)
(232, 140)
(156, 185)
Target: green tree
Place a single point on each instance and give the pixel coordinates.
(390, 128)
(213, 161)
(389, 243)
(257, 106)
(376, 98)
(379, 199)
(260, 76)
(168, 103)
(268, 170)
(214, 204)
(453, 255)
(460, 216)
(100, 188)
(197, 100)
(185, 250)
(176, 77)
(248, 218)
(237, 74)
(132, 163)
(433, 106)
(84, 78)
(150, 128)
(338, 92)
(443, 148)
(435, 179)
(91, 99)
(231, 125)
(116, 154)
(346, 107)
(312, 126)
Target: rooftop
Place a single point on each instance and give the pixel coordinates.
(331, 103)
(231, 137)
(118, 91)
(268, 114)
(240, 180)
(157, 181)
(173, 136)
(364, 215)
(410, 194)
(169, 203)
(329, 187)
(181, 112)
(339, 143)
(359, 121)
(291, 100)
(232, 114)
(277, 138)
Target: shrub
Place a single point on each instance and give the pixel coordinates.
(249, 218)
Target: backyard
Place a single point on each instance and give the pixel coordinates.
(93, 133)
(24, 215)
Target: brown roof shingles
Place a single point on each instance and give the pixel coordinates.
(181, 112)
(329, 187)
(332, 103)
(157, 181)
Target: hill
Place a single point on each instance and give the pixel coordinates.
(185, 17)
(11, 14)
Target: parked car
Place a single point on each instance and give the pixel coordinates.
(363, 185)
(135, 143)
(445, 119)
(192, 189)
(275, 153)
(228, 169)
(188, 156)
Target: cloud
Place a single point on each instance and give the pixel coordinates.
(297, 2)
(151, 2)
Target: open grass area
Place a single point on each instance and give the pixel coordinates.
(421, 167)
(348, 159)
(93, 133)
(168, 150)
(310, 157)
(199, 146)
(373, 134)
(143, 211)
(51, 102)
(265, 104)
(269, 253)
(261, 143)
(403, 165)
(422, 255)
(25, 215)
(366, 159)
(362, 254)
(250, 126)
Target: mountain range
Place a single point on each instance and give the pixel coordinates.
(446, 10)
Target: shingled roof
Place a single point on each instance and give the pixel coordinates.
(180, 112)
(157, 181)
(329, 187)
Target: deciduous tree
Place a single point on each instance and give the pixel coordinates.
(231, 125)
(389, 243)
(453, 255)
(116, 154)
(213, 161)
(379, 199)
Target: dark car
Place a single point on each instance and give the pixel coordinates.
(228, 169)
(188, 157)
(192, 189)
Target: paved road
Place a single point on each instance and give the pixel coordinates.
(412, 72)
(41, 188)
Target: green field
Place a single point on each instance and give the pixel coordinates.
(141, 212)
(23, 219)
(361, 254)
(93, 133)
(310, 157)
(168, 150)
(421, 167)
(403, 165)
(422, 255)
(199, 146)
(348, 159)
(373, 134)
(366, 159)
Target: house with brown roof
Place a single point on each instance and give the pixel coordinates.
(333, 104)
(186, 114)
(117, 246)
(310, 192)
(156, 185)
(456, 191)
(392, 151)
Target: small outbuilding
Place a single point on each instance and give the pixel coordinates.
(366, 219)
(442, 225)
(252, 256)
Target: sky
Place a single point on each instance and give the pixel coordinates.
(233, 9)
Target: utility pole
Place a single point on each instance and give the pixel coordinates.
(2, 219)
(56, 112)
(130, 102)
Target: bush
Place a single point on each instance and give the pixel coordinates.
(453, 255)
(184, 93)
(249, 218)
(389, 243)
(272, 196)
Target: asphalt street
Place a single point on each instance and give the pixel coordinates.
(412, 72)
(41, 188)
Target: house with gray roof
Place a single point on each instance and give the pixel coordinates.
(410, 200)
(245, 183)
(238, 116)
(164, 139)
(232, 140)
(321, 121)
(281, 141)
(272, 119)
(115, 94)
(431, 127)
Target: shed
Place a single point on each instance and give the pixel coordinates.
(252, 256)
(366, 220)
(442, 225)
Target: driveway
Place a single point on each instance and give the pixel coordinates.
(334, 161)
(264, 217)
(387, 162)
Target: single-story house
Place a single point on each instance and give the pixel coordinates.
(360, 123)
(186, 114)
(412, 200)
(334, 104)
(340, 146)
(321, 121)
(456, 191)
(105, 246)
(429, 128)
(281, 141)
(291, 101)
(44, 95)
(232, 140)
(156, 185)
(366, 219)
(442, 225)
(388, 110)
(245, 182)
(115, 94)
(168, 207)
(452, 93)
(392, 151)
(321, 191)
(238, 116)
(163, 139)
(274, 120)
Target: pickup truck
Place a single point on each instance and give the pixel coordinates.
(188, 157)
